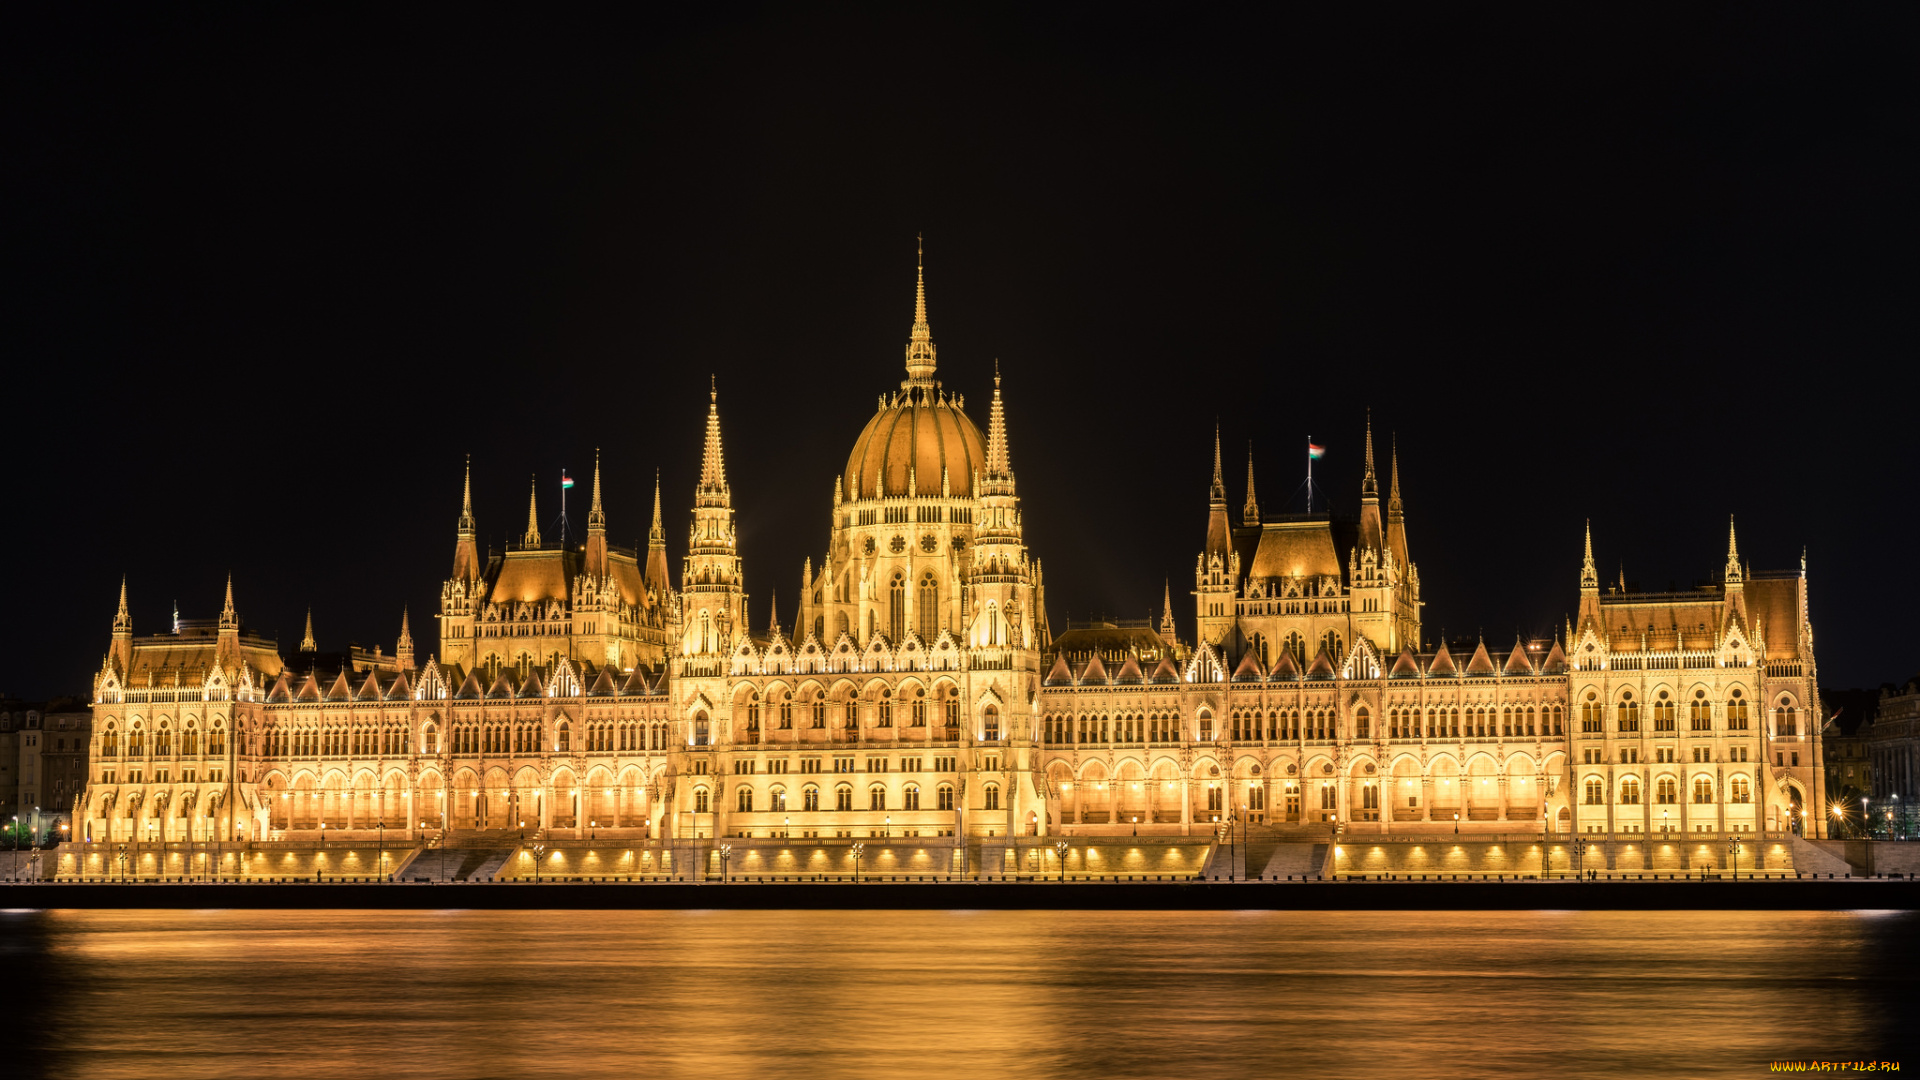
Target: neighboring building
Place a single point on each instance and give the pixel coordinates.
(1893, 747)
(16, 718)
(920, 690)
(67, 733)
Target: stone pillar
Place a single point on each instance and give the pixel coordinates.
(1426, 797)
(1186, 806)
(1504, 793)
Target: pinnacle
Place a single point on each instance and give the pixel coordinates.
(657, 536)
(596, 517)
(999, 462)
(307, 642)
(465, 523)
(713, 469)
(533, 514)
(920, 350)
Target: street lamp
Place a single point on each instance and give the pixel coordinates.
(889, 833)
(726, 854)
(859, 849)
(1865, 829)
(1062, 847)
(1136, 824)
(1733, 849)
(786, 828)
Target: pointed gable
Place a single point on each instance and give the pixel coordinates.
(1517, 662)
(1555, 663)
(1480, 663)
(1058, 675)
(501, 688)
(602, 683)
(1442, 662)
(1406, 667)
(1285, 669)
(1095, 673)
(282, 689)
(636, 682)
(341, 690)
(1130, 672)
(535, 686)
(369, 689)
(1322, 666)
(1164, 671)
(1248, 669)
(401, 688)
(470, 687)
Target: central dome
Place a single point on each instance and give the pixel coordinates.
(919, 430)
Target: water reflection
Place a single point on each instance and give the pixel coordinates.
(1004, 994)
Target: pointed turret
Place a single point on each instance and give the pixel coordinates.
(227, 646)
(1166, 611)
(773, 617)
(596, 559)
(228, 616)
(466, 551)
(1372, 534)
(657, 578)
(1219, 540)
(713, 466)
(122, 648)
(1589, 574)
(999, 462)
(1733, 553)
(920, 351)
(1250, 514)
(1589, 591)
(403, 649)
(532, 537)
(307, 643)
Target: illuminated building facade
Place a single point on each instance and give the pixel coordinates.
(920, 690)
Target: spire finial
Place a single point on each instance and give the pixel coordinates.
(404, 635)
(657, 536)
(999, 461)
(465, 524)
(773, 616)
(920, 351)
(1733, 553)
(596, 517)
(532, 538)
(306, 642)
(1166, 610)
(1393, 490)
(713, 469)
(403, 649)
(1369, 482)
(1250, 514)
(228, 617)
(123, 620)
(1589, 574)
(1217, 491)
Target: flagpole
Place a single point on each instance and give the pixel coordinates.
(1309, 474)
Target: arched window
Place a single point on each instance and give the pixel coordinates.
(910, 798)
(993, 796)
(1702, 789)
(843, 797)
(884, 711)
(1627, 713)
(917, 710)
(1737, 712)
(1590, 715)
(1699, 713)
(430, 739)
(1666, 791)
(777, 800)
(819, 708)
(786, 710)
(990, 724)
(1336, 650)
(706, 632)
(897, 608)
(944, 796)
(1739, 791)
(952, 694)
(1296, 646)
(700, 801)
(1663, 712)
(1213, 800)
(700, 728)
(1362, 725)
(563, 738)
(876, 797)
(1630, 791)
(753, 712)
(744, 800)
(927, 608)
(810, 798)
(1596, 792)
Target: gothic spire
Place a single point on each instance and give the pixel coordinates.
(1733, 553)
(405, 637)
(122, 619)
(920, 352)
(1217, 492)
(657, 536)
(713, 468)
(532, 538)
(1589, 574)
(1250, 515)
(1369, 482)
(596, 517)
(403, 649)
(1166, 611)
(773, 616)
(465, 525)
(307, 643)
(228, 617)
(1393, 488)
(999, 465)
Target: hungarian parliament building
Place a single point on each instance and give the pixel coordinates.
(579, 687)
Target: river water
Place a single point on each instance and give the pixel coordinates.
(468, 994)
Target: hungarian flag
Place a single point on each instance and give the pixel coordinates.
(565, 480)
(1316, 452)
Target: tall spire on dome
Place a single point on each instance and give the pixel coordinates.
(307, 643)
(1250, 514)
(532, 539)
(999, 462)
(920, 352)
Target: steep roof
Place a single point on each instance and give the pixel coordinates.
(1517, 662)
(1406, 667)
(1442, 663)
(1294, 549)
(1480, 663)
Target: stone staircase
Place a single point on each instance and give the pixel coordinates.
(1296, 859)
(473, 856)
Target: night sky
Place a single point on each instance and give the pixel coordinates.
(273, 272)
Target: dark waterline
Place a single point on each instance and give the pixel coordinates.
(1002, 994)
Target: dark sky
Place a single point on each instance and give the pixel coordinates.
(273, 271)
